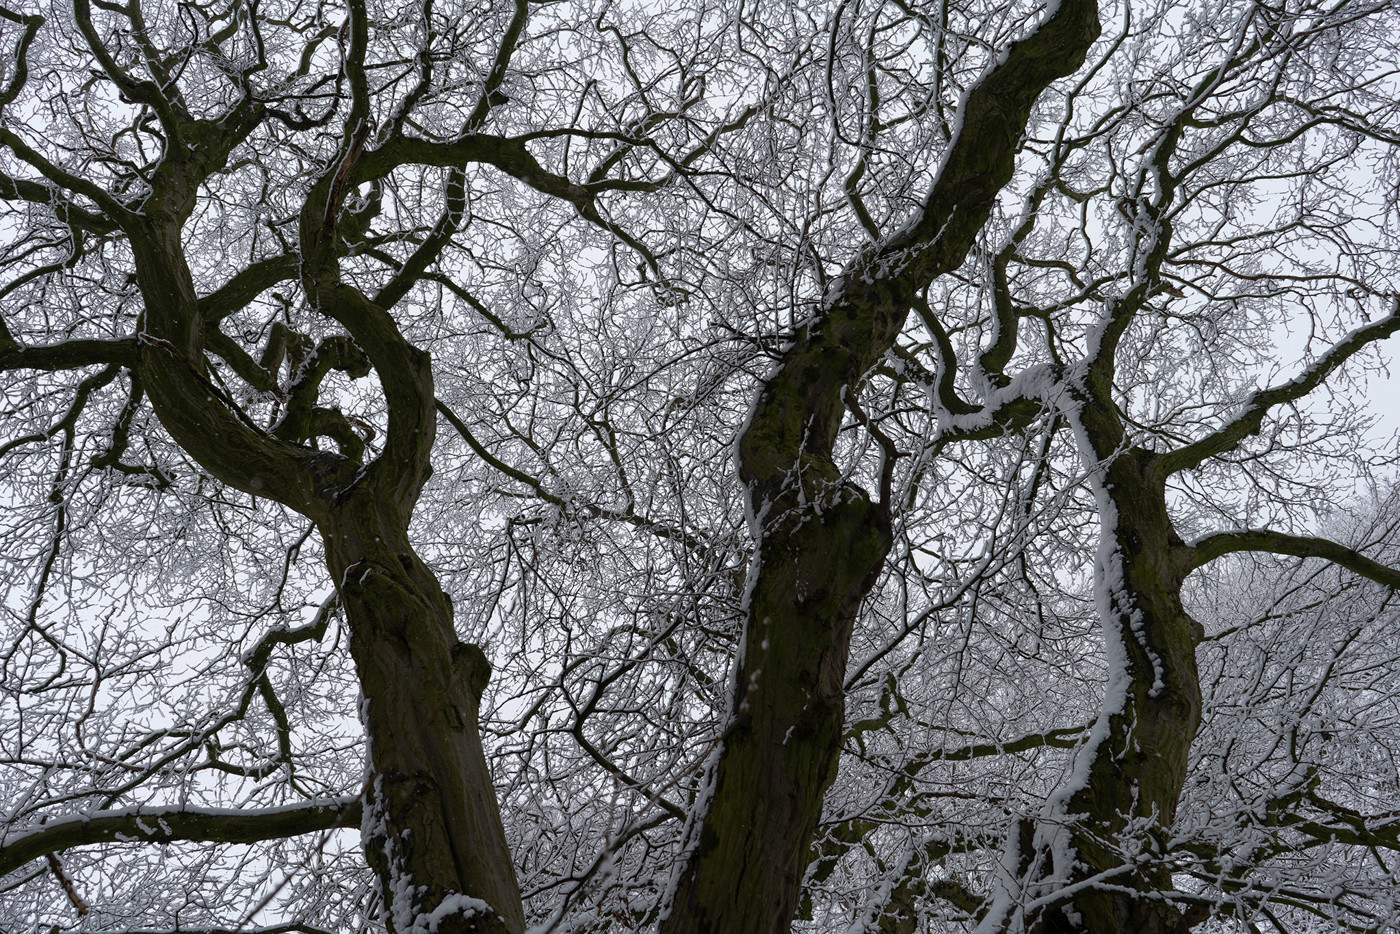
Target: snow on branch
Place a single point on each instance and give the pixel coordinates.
(176, 823)
(1251, 419)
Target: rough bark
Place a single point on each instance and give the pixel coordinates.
(1131, 773)
(821, 540)
(432, 827)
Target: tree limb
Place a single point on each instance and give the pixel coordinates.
(1300, 546)
(246, 285)
(177, 823)
(1251, 419)
(67, 355)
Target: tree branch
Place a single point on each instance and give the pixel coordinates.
(177, 823)
(1251, 419)
(1300, 546)
(67, 355)
(247, 284)
(801, 407)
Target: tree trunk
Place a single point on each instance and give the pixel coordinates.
(1128, 778)
(816, 563)
(821, 541)
(431, 826)
(432, 829)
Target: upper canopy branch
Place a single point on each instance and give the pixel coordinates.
(490, 88)
(509, 154)
(31, 25)
(141, 91)
(1251, 419)
(51, 196)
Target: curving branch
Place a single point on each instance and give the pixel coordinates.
(431, 248)
(247, 284)
(1299, 546)
(302, 418)
(145, 92)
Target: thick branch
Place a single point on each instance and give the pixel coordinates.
(431, 248)
(1251, 419)
(509, 155)
(247, 284)
(242, 363)
(177, 823)
(57, 176)
(801, 408)
(337, 352)
(48, 195)
(490, 88)
(67, 355)
(20, 75)
(1299, 546)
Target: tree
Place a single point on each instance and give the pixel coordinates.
(258, 255)
(199, 100)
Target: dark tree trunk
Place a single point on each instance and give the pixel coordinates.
(431, 825)
(745, 870)
(432, 828)
(821, 540)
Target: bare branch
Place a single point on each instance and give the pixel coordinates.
(173, 824)
(1251, 419)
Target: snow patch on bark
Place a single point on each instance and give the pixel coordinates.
(1112, 602)
(403, 899)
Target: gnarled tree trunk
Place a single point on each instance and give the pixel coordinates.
(431, 826)
(432, 829)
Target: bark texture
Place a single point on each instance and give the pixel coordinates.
(432, 825)
(1137, 762)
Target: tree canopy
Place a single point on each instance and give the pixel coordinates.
(864, 465)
